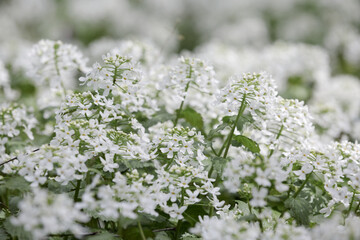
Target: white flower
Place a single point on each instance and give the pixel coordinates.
(259, 196)
(192, 196)
(305, 169)
(175, 211)
(108, 163)
(43, 213)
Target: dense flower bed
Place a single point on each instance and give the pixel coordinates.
(124, 139)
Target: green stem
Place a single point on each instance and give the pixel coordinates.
(77, 190)
(277, 137)
(211, 212)
(168, 165)
(115, 75)
(249, 206)
(182, 196)
(211, 170)
(178, 225)
(302, 185)
(357, 207)
(241, 110)
(56, 56)
(141, 231)
(351, 203)
(181, 106)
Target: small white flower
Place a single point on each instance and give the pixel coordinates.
(305, 169)
(259, 196)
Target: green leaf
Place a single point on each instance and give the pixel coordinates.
(17, 183)
(133, 233)
(193, 212)
(219, 164)
(193, 118)
(213, 132)
(241, 122)
(16, 231)
(243, 207)
(299, 210)
(3, 234)
(102, 236)
(240, 140)
(188, 236)
(162, 236)
(249, 218)
(228, 119)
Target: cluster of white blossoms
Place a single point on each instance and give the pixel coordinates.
(255, 90)
(121, 77)
(190, 83)
(196, 120)
(337, 112)
(53, 62)
(284, 61)
(43, 213)
(53, 67)
(16, 124)
(165, 143)
(5, 86)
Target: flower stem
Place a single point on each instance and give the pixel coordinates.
(228, 140)
(277, 137)
(357, 207)
(141, 231)
(178, 225)
(56, 56)
(181, 106)
(302, 185)
(77, 190)
(351, 204)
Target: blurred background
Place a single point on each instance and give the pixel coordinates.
(311, 48)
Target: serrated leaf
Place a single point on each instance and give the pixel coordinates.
(249, 218)
(193, 118)
(16, 231)
(240, 140)
(190, 238)
(243, 207)
(193, 212)
(299, 210)
(219, 164)
(217, 129)
(17, 183)
(228, 119)
(102, 236)
(3, 234)
(162, 236)
(241, 122)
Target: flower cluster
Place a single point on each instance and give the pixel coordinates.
(43, 213)
(143, 143)
(16, 124)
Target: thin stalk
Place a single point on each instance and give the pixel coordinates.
(211, 212)
(141, 231)
(56, 56)
(351, 204)
(15, 158)
(182, 196)
(277, 137)
(357, 207)
(77, 190)
(181, 106)
(241, 110)
(178, 225)
(302, 185)
(164, 229)
(115, 75)
(211, 170)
